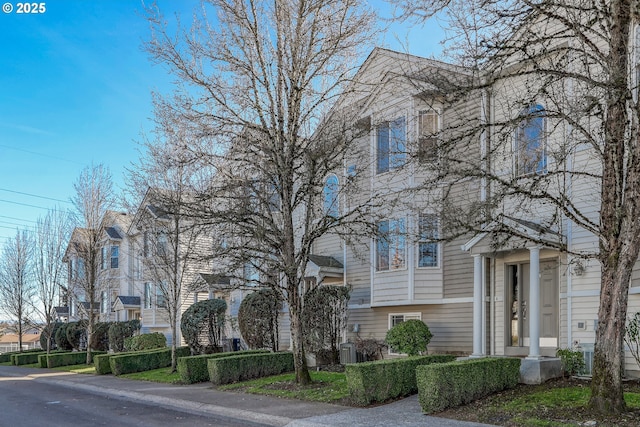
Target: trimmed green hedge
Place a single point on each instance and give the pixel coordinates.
(102, 364)
(453, 384)
(25, 358)
(54, 360)
(231, 369)
(382, 380)
(193, 369)
(6, 357)
(144, 360)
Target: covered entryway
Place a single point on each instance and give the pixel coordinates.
(516, 289)
(518, 315)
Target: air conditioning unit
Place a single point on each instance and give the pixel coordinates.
(347, 353)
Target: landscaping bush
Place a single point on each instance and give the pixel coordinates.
(258, 319)
(76, 334)
(119, 331)
(144, 360)
(382, 380)
(101, 362)
(204, 319)
(54, 360)
(410, 337)
(441, 386)
(324, 319)
(194, 369)
(62, 343)
(49, 331)
(6, 357)
(100, 336)
(25, 358)
(231, 369)
(141, 342)
(572, 361)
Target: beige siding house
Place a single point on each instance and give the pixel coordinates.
(408, 272)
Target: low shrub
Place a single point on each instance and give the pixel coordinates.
(54, 360)
(193, 369)
(141, 342)
(382, 380)
(144, 360)
(102, 364)
(231, 369)
(452, 384)
(410, 337)
(6, 357)
(572, 361)
(25, 358)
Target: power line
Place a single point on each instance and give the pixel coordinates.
(24, 204)
(18, 219)
(39, 154)
(35, 195)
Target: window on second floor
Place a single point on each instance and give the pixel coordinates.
(250, 274)
(330, 195)
(115, 252)
(391, 245)
(428, 127)
(391, 149)
(530, 142)
(428, 247)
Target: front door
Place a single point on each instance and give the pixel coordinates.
(517, 315)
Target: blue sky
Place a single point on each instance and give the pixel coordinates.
(75, 89)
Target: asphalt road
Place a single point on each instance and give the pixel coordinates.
(26, 402)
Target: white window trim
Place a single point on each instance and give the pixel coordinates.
(438, 112)
(407, 316)
(407, 250)
(439, 244)
(400, 115)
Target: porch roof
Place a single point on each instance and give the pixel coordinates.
(509, 233)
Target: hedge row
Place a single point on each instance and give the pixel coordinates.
(231, 369)
(382, 380)
(453, 384)
(144, 360)
(102, 364)
(25, 358)
(193, 369)
(6, 357)
(54, 360)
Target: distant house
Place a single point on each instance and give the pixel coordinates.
(10, 342)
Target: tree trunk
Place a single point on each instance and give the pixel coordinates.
(297, 339)
(608, 361)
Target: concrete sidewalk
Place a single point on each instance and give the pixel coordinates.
(272, 411)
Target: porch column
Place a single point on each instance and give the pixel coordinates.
(534, 303)
(477, 306)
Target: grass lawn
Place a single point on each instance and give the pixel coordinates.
(328, 387)
(553, 404)
(161, 375)
(78, 369)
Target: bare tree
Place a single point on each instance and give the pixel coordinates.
(93, 198)
(254, 88)
(558, 71)
(173, 240)
(17, 290)
(50, 238)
